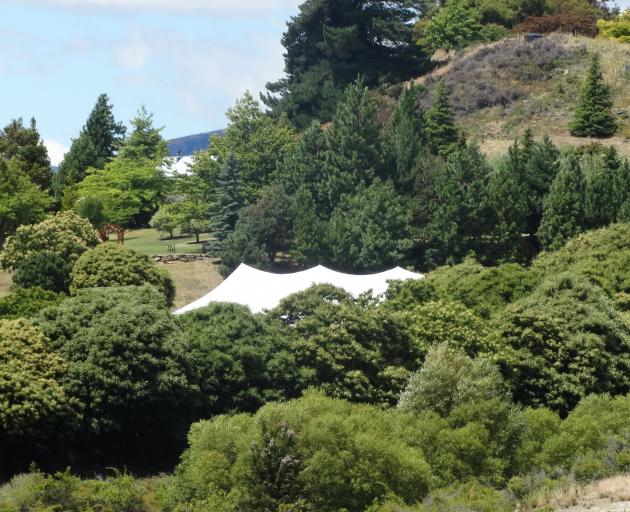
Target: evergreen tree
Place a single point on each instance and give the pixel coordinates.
(622, 192)
(593, 116)
(352, 155)
(229, 199)
(404, 139)
(541, 164)
(600, 201)
(24, 145)
(563, 214)
(460, 210)
(96, 144)
(330, 42)
(441, 130)
(258, 141)
(508, 198)
(145, 141)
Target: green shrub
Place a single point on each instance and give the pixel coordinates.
(449, 378)
(65, 234)
(602, 255)
(438, 322)
(38, 492)
(31, 395)
(596, 432)
(127, 367)
(563, 342)
(26, 302)
(324, 452)
(46, 270)
(111, 265)
(241, 360)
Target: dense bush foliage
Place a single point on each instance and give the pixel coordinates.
(241, 360)
(26, 302)
(113, 265)
(563, 342)
(128, 369)
(45, 269)
(65, 234)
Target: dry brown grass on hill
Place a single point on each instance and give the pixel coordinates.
(609, 495)
(192, 280)
(500, 89)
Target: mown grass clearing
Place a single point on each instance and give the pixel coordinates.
(152, 243)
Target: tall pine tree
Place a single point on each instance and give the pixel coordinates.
(24, 145)
(229, 199)
(95, 146)
(563, 214)
(441, 130)
(461, 216)
(352, 155)
(404, 139)
(146, 141)
(594, 116)
(330, 42)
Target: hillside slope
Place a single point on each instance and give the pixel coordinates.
(499, 90)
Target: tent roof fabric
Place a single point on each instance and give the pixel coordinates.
(262, 291)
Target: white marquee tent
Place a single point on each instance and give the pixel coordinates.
(262, 291)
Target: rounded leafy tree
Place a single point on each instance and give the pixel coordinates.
(30, 373)
(563, 342)
(112, 265)
(65, 234)
(46, 269)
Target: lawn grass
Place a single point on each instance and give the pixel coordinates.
(192, 280)
(151, 243)
(5, 283)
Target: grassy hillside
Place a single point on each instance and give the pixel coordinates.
(499, 90)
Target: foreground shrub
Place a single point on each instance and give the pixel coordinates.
(449, 378)
(594, 440)
(26, 302)
(472, 496)
(563, 342)
(241, 360)
(65, 234)
(63, 491)
(602, 255)
(30, 374)
(113, 265)
(315, 453)
(127, 368)
(46, 270)
(352, 349)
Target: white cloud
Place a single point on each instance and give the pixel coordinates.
(56, 151)
(217, 6)
(134, 55)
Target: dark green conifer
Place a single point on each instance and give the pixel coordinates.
(563, 213)
(404, 139)
(229, 198)
(441, 130)
(594, 116)
(352, 155)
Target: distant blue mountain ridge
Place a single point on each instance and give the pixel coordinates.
(189, 145)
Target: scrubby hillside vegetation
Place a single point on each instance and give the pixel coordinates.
(500, 89)
(502, 377)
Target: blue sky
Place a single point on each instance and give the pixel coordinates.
(186, 60)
